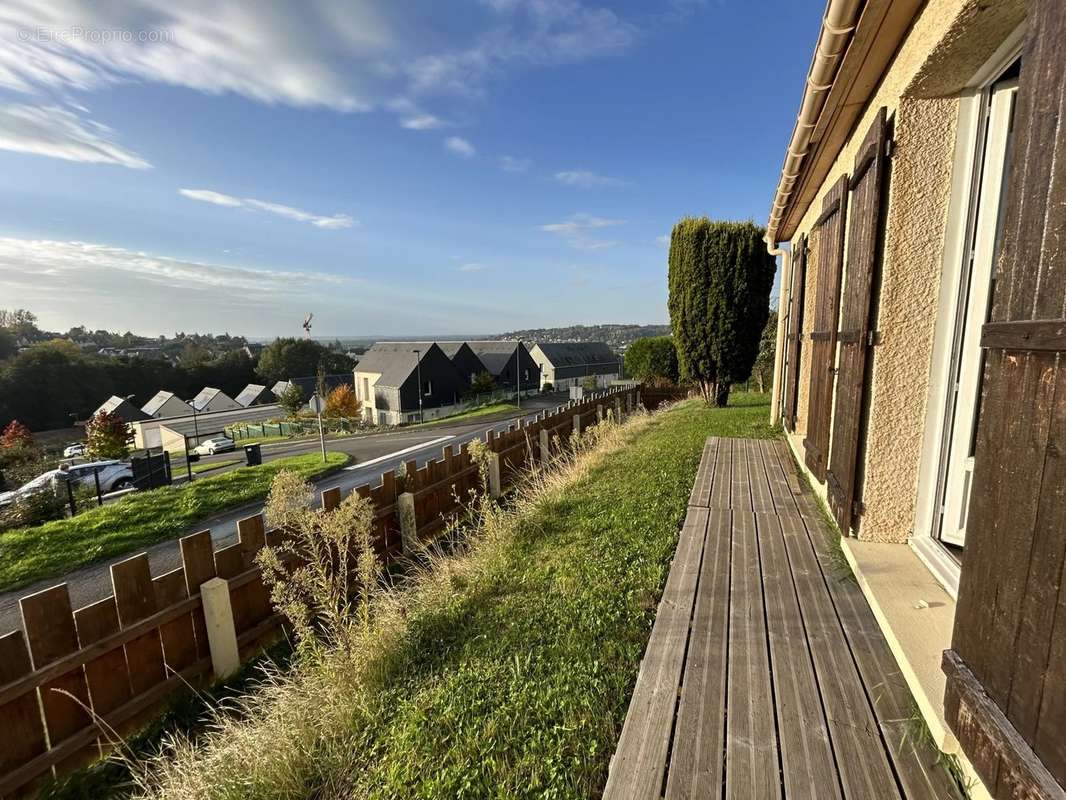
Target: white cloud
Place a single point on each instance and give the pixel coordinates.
(531, 32)
(514, 164)
(220, 199)
(472, 266)
(577, 230)
(586, 179)
(59, 133)
(413, 117)
(461, 147)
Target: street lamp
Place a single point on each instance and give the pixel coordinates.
(195, 423)
(418, 370)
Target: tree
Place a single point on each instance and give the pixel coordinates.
(653, 360)
(20, 322)
(719, 279)
(342, 402)
(107, 435)
(483, 383)
(8, 345)
(16, 435)
(291, 399)
(763, 371)
(284, 359)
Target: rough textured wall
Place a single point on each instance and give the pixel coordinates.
(913, 258)
(947, 43)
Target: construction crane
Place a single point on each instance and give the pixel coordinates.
(307, 325)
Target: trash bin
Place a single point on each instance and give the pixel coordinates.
(253, 455)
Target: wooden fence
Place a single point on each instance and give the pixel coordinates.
(71, 679)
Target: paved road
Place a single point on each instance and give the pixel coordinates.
(372, 455)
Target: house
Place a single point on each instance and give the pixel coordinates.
(509, 363)
(399, 382)
(254, 395)
(211, 399)
(309, 384)
(919, 223)
(279, 388)
(174, 434)
(123, 407)
(465, 360)
(166, 404)
(566, 364)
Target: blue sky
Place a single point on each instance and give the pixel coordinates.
(397, 167)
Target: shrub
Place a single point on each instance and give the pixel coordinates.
(342, 402)
(483, 383)
(16, 435)
(653, 360)
(719, 279)
(547, 387)
(107, 435)
(324, 559)
(590, 384)
(292, 400)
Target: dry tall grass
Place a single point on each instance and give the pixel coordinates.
(291, 738)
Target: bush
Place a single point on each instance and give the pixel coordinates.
(342, 402)
(547, 387)
(292, 400)
(107, 435)
(653, 360)
(16, 435)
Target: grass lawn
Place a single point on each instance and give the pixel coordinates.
(139, 519)
(495, 408)
(509, 676)
(213, 465)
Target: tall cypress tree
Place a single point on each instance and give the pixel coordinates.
(720, 276)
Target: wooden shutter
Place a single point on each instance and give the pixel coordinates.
(1006, 690)
(794, 332)
(824, 334)
(864, 221)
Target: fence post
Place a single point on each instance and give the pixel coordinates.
(331, 498)
(221, 634)
(577, 423)
(495, 487)
(629, 403)
(545, 447)
(617, 408)
(599, 412)
(405, 509)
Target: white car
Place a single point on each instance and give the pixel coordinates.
(74, 449)
(208, 447)
(114, 475)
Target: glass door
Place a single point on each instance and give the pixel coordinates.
(974, 307)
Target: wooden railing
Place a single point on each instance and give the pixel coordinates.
(71, 681)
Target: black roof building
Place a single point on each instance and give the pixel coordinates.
(254, 395)
(399, 368)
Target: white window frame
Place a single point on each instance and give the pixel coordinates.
(969, 144)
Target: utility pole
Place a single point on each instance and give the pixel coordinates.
(518, 371)
(418, 370)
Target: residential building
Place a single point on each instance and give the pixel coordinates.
(509, 363)
(212, 399)
(175, 433)
(566, 364)
(123, 407)
(921, 325)
(254, 395)
(399, 382)
(465, 360)
(279, 388)
(166, 404)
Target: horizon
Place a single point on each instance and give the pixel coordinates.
(396, 168)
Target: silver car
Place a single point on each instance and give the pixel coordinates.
(114, 475)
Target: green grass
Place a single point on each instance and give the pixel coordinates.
(509, 677)
(495, 408)
(213, 465)
(139, 519)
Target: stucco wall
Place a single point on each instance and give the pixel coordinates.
(946, 44)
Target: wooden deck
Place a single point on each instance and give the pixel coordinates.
(766, 675)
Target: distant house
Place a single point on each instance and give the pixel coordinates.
(566, 364)
(211, 399)
(123, 408)
(252, 350)
(509, 362)
(279, 388)
(254, 395)
(398, 382)
(166, 404)
(309, 384)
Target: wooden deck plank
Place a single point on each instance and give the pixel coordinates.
(751, 738)
(696, 763)
(781, 490)
(917, 761)
(722, 486)
(740, 479)
(638, 766)
(856, 737)
(808, 766)
(701, 489)
(761, 498)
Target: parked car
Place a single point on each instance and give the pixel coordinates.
(114, 475)
(74, 449)
(219, 444)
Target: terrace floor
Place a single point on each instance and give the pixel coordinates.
(766, 675)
